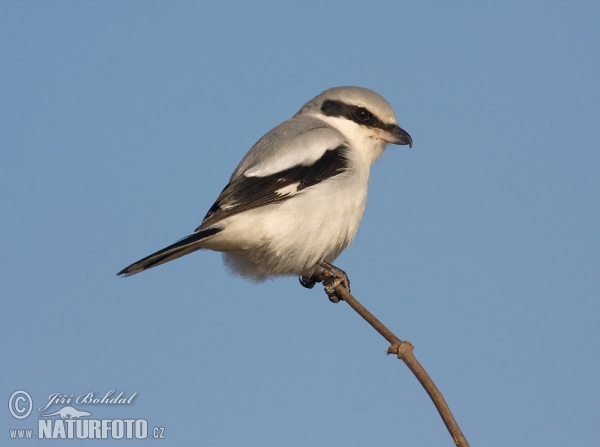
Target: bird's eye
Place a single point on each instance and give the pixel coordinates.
(362, 114)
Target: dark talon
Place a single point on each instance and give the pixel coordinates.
(307, 281)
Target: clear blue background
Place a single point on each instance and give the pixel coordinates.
(120, 122)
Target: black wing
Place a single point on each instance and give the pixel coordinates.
(245, 193)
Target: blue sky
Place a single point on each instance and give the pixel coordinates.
(122, 121)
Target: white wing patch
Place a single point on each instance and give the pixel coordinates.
(230, 205)
(289, 189)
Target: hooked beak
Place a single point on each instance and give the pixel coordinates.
(394, 134)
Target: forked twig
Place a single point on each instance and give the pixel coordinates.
(404, 351)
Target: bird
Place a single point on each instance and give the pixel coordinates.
(296, 199)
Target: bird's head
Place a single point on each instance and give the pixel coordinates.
(361, 115)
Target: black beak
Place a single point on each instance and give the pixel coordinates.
(399, 136)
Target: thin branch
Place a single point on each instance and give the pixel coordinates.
(404, 351)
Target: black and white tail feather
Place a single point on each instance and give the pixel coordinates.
(182, 247)
(297, 197)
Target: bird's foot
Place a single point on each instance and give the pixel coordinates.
(333, 277)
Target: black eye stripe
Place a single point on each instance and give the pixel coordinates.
(359, 115)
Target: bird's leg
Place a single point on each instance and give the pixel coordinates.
(333, 277)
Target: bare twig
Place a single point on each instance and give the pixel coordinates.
(404, 351)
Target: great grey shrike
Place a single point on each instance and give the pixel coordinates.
(295, 201)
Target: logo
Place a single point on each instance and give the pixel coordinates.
(65, 421)
(16, 405)
(68, 412)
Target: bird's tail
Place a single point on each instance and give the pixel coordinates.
(180, 248)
